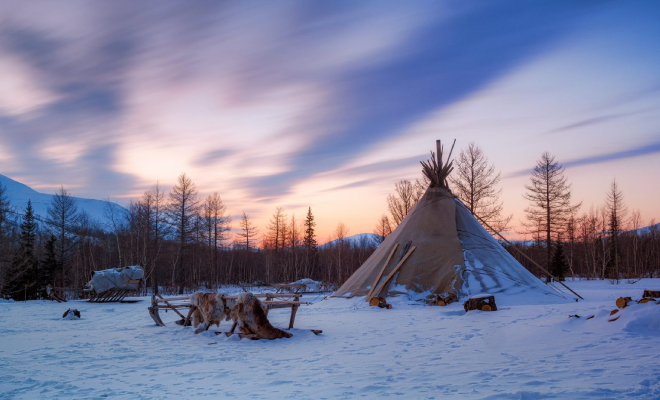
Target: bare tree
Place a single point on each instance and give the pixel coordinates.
(617, 213)
(62, 222)
(383, 229)
(276, 229)
(248, 232)
(476, 185)
(181, 212)
(216, 224)
(402, 201)
(550, 198)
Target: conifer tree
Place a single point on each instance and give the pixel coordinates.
(49, 265)
(617, 213)
(309, 242)
(559, 266)
(23, 276)
(62, 222)
(550, 201)
(475, 183)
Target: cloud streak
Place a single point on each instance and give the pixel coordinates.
(640, 151)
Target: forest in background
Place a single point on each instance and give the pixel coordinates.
(182, 241)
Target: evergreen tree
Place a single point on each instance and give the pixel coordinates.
(309, 243)
(559, 265)
(23, 277)
(49, 265)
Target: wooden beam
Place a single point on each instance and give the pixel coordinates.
(395, 270)
(382, 271)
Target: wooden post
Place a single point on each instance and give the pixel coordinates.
(380, 274)
(394, 271)
(187, 320)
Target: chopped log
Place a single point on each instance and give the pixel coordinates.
(614, 311)
(380, 302)
(443, 300)
(651, 293)
(316, 331)
(622, 302)
(480, 303)
(614, 319)
(590, 317)
(647, 300)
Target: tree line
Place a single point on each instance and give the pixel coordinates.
(182, 242)
(604, 242)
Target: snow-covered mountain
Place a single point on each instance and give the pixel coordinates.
(19, 194)
(355, 240)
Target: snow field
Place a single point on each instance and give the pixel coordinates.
(410, 352)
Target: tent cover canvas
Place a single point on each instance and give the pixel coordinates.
(453, 254)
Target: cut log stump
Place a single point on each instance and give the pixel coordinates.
(380, 302)
(652, 293)
(622, 302)
(647, 300)
(483, 303)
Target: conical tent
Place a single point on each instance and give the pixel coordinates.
(453, 254)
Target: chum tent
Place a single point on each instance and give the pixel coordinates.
(453, 254)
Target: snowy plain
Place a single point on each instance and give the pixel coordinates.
(412, 351)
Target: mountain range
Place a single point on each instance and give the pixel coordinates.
(18, 195)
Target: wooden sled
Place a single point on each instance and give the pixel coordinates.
(176, 304)
(114, 295)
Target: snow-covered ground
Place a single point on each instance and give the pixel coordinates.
(411, 351)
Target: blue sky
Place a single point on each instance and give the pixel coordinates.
(326, 104)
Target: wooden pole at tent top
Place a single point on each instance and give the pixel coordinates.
(527, 257)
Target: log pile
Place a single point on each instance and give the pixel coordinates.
(482, 302)
(649, 296)
(446, 299)
(379, 302)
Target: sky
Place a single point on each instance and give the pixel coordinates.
(299, 104)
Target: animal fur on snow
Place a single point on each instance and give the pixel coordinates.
(210, 309)
(250, 316)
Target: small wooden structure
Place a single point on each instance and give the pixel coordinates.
(113, 285)
(178, 304)
(113, 295)
(484, 302)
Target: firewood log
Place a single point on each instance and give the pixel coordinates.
(479, 302)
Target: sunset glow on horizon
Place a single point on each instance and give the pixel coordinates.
(327, 105)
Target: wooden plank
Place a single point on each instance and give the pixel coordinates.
(170, 306)
(395, 270)
(294, 309)
(382, 271)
